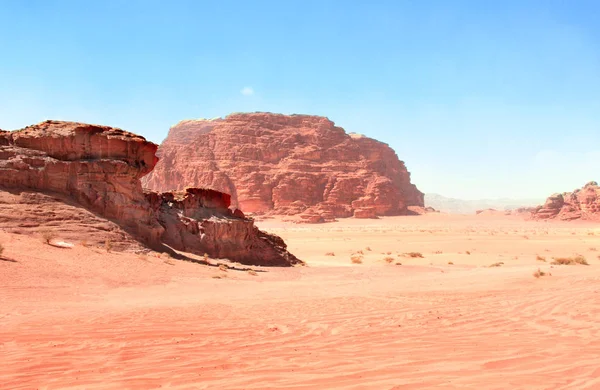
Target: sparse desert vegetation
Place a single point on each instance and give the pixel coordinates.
(108, 245)
(578, 259)
(540, 258)
(356, 259)
(1, 249)
(412, 254)
(47, 236)
(365, 290)
(539, 273)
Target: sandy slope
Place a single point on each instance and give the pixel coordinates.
(82, 318)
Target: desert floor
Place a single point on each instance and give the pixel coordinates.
(85, 318)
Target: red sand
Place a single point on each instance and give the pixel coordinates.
(82, 318)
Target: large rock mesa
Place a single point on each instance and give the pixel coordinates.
(286, 165)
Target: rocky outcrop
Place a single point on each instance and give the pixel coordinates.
(582, 203)
(100, 167)
(419, 210)
(199, 218)
(274, 164)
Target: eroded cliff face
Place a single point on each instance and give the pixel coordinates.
(200, 218)
(286, 165)
(100, 167)
(582, 203)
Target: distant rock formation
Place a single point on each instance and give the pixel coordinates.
(75, 164)
(275, 164)
(582, 203)
(463, 206)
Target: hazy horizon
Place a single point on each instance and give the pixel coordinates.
(482, 101)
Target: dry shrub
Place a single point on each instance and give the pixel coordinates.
(388, 260)
(108, 245)
(252, 272)
(360, 252)
(47, 236)
(223, 267)
(437, 252)
(593, 249)
(206, 257)
(398, 263)
(368, 248)
(498, 264)
(329, 254)
(540, 258)
(413, 254)
(356, 259)
(468, 252)
(450, 263)
(169, 261)
(1, 249)
(539, 273)
(570, 260)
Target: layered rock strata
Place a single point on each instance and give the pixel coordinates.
(99, 168)
(275, 164)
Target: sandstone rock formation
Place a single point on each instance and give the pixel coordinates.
(419, 210)
(99, 168)
(275, 164)
(582, 203)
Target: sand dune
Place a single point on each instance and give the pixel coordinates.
(82, 318)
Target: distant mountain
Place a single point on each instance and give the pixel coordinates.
(462, 206)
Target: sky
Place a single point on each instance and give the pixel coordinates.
(481, 99)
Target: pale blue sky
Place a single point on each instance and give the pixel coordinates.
(480, 98)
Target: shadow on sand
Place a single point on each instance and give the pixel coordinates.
(179, 256)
